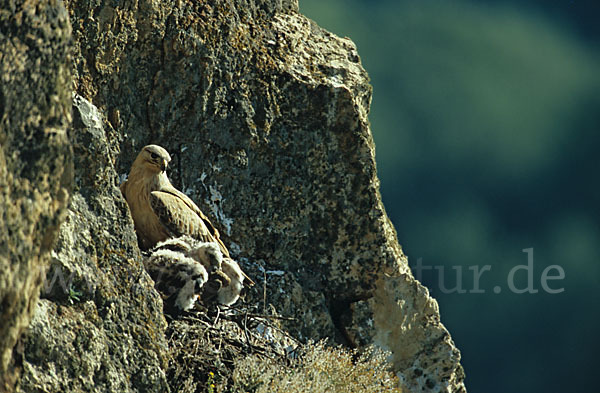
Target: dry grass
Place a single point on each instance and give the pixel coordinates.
(318, 369)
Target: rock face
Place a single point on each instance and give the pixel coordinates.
(99, 317)
(266, 117)
(35, 157)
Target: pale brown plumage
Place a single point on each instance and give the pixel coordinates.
(159, 210)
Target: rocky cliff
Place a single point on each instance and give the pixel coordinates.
(35, 157)
(266, 117)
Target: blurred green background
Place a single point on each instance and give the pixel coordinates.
(486, 117)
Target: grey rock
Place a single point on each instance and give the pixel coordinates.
(266, 117)
(35, 157)
(99, 326)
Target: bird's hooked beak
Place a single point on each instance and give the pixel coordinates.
(163, 165)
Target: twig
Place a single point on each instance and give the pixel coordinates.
(264, 290)
(280, 317)
(246, 327)
(217, 317)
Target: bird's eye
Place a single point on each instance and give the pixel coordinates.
(154, 156)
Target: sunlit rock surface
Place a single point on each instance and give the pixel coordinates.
(35, 157)
(266, 117)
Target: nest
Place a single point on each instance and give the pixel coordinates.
(206, 343)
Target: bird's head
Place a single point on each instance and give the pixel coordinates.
(154, 158)
(209, 255)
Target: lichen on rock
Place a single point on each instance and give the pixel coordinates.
(99, 318)
(266, 117)
(35, 157)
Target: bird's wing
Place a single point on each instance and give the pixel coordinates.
(123, 188)
(180, 215)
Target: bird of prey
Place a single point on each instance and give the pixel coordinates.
(229, 294)
(208, 254)
(159, 210)
(180, 268)
(178, 278)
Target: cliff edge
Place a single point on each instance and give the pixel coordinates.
(266, 117)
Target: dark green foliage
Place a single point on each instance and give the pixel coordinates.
(485, 120)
